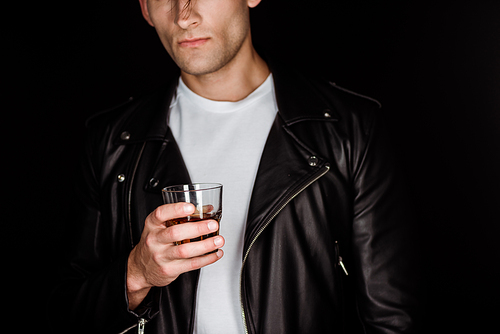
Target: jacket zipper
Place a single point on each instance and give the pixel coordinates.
(289, 198)
(140, 326)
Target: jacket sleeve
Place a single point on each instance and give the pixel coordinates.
(92, 296)
(384, 237)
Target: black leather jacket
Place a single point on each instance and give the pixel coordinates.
(327, 196)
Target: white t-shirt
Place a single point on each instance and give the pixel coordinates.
(222, 142)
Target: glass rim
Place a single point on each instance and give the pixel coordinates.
(180, 188)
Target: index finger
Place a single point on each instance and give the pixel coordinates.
(170, 211)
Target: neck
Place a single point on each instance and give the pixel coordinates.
(235, 81)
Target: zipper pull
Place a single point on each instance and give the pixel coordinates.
(140, 326)
(337, 249)
(342, 265)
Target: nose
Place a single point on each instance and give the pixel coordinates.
(186, 15)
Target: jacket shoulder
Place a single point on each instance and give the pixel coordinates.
(358, 108)
(113, 115)
(302, 95)
(136, 115)
(342, 99)
(347, 106)
(357, 98)
(103, 128)
(144, 117)
(301, 90)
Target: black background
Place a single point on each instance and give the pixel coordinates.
(434, 65)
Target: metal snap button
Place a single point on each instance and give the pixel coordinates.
(125, 135)
(153, 182)
(121, 177)
(313, 161)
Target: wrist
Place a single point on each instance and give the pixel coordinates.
(137, 286)
(136, 281)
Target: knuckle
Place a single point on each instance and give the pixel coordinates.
(173, 233)
(157, 258)
(166, 271)
(157, 214)
(149, 242)
(182, 251)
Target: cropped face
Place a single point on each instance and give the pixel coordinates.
(201, 36)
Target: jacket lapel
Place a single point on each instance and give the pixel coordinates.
(169, 168)
(282, 167)
(286, 163)
(163, 164)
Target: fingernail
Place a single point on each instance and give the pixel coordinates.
(219, 253)
(218, 241)
(212, 226)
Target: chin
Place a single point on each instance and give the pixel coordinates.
(199, 69)
(203, 65)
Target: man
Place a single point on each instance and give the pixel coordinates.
(315, 235)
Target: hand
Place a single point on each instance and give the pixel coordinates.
(156, 261)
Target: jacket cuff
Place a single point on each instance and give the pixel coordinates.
(150, 306)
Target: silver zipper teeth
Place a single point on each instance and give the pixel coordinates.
(290, 198)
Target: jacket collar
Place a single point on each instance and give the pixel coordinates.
(298, 100)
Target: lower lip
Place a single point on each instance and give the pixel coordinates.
(193, 44)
